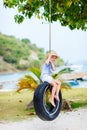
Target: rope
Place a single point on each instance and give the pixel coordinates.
(49, 25)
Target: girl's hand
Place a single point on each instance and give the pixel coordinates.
(53, 66)
(50, 55)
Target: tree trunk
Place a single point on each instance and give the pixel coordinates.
(30, 105)
(66, 105)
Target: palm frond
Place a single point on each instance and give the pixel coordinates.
(30, 79)
(28, 82)
(36, 71)
(65, 85)
(63, 71)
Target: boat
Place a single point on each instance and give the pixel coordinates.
(73, 82)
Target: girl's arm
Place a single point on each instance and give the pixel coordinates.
(53, 66)
(48, 59)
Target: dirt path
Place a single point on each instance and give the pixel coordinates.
(75, 120)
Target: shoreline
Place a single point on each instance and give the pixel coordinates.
(12, 72)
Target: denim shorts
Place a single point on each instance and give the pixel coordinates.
(46, 78)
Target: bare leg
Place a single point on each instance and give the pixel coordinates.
(53, 95)
(57, 90)
(53, 92)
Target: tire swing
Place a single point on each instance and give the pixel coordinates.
(43, 107)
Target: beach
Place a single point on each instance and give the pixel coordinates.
(75, 120)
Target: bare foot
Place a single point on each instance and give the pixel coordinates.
(57, 98)
(52, 102)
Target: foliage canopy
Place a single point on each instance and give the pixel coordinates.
(70, 13)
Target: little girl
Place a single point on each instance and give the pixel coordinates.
(46, 75)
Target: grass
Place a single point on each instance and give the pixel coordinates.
(77, 96)
(13, 104)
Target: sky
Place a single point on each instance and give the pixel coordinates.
(71, 46)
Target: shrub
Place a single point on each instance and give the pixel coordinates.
(34, 63)
(22, 67)
(10, 59)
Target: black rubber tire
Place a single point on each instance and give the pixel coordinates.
(40, 106)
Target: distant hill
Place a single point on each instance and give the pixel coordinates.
(18, 54)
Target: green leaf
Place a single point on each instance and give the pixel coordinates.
(19, 18)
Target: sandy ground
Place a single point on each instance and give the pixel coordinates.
(75, 120)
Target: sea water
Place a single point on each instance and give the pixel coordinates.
(9, 81)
